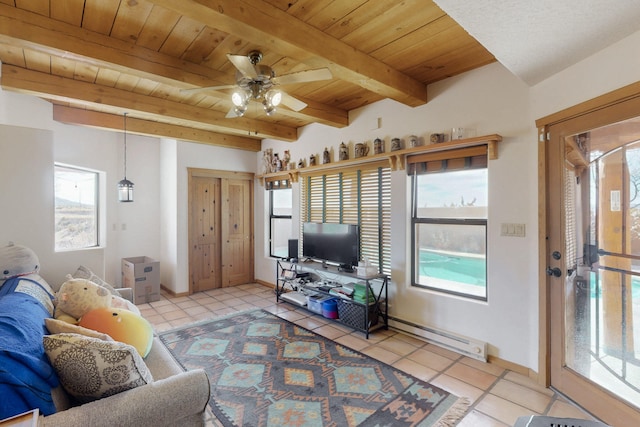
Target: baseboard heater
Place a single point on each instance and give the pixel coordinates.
(458, 343)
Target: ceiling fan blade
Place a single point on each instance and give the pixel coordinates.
(244, 65)
(232, 114)
(303, 76)
(293, 103)
(201, 89)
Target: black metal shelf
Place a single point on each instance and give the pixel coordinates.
(362, 316)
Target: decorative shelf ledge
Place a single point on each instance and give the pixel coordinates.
(396, 158)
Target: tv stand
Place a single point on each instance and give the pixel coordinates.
(362, 316)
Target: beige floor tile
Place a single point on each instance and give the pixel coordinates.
(310, 323)
(567, 410)
(430, 359)
(478, 419)
(188, 303)
(527, 382)
(415, 369)
(381, 354)
(522, 395)
(353, 342)
(483, 366)
(409, 339)
(175, 314)
(457, 387)
(443, 352)
(397, 346)
(501, 409)
(473, 376)
(329, 331)
(192, 311)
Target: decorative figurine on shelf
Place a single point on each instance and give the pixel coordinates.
(437, 138)
(300, 163)
(267, 160)
(312, 160)
(361, 149)
(286, 159)
(326, 156)
(396, 144)
(378, 146)
(414, 141)
(277, 163)
(344, 152)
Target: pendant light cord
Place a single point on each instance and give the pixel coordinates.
(125, 145)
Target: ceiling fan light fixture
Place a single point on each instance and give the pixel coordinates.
(269, 109)
(273, 97)
(240, 98)
(240, 110)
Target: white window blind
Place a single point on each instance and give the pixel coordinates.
(353, 196)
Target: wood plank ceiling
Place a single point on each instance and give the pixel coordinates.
(97, 59)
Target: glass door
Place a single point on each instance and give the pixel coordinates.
(593, 183)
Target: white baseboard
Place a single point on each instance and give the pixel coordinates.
(460, 344)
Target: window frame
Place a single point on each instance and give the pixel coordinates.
(97, 188)
(272, 186)
(448, 161)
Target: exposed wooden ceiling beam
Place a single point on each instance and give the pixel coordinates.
(264, 24)
(77, 92)
(32, 31)
(78, 116)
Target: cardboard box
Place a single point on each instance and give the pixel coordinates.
(142, 274)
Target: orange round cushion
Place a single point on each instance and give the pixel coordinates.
(121, 325)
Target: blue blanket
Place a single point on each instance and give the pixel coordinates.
(26, 376)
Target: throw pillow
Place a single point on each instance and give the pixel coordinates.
(91, 369)
(85, 273)
(121, 325)
(55, 326)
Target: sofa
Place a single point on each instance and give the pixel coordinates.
(174, 398)
(165, 396)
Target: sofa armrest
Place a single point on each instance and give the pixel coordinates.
(177, 400)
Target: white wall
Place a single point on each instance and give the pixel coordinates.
(32, 142)
(488, 100)
(485, 101)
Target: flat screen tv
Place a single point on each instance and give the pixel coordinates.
(333, 243)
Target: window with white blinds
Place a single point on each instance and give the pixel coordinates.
(359, 196)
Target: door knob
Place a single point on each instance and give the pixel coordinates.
(554, 271)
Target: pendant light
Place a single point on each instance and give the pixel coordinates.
(125, 187)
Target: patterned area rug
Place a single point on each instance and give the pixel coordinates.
(266, 371)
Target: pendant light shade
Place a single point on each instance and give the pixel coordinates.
(125, 187)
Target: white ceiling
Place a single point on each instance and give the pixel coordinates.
(536, 39)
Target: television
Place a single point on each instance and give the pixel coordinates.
(332, 243)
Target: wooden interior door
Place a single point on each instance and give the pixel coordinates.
(204, 239)
(237, 232)
(220, 229)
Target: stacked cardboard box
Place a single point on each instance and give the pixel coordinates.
(142, 274)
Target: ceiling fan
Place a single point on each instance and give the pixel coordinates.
(257, 82)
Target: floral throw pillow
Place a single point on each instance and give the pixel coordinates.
(90, 369)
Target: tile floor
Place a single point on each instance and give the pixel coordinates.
(498, 396)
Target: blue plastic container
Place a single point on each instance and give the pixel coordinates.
(330, 308)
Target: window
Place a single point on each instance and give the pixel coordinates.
(280, 225)
(76, 208)
(449, 222)
(354, 196)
